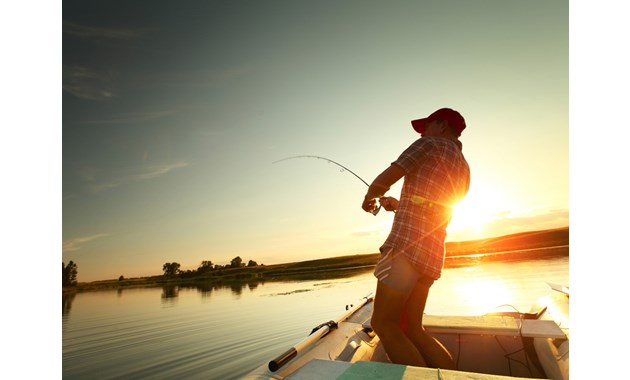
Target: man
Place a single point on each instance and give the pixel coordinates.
(436, 177)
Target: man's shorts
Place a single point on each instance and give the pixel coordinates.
(396, 271)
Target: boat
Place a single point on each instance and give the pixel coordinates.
(493, 346)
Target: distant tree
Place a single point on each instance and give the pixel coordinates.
(121, 278)
(69, 274)
(252, 263)
(236, 262)
(171, 269)
(205, 267)
(188, 273)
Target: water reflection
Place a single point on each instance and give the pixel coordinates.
(237, 289)
(66, 303)
(205, 289)
(170, 293)
(483, 294)
(292, 292)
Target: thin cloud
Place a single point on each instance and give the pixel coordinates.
(157, 171)
(501, 214)
(100, 187)
(207, 78)
(91, 83)
(378, 228)
(76, 244)
(135, 117)
(538, 219)
(102, 32)
(143, 174)
(88, 83)
(525, 217)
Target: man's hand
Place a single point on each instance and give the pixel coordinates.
(380, 186)
(389, 203)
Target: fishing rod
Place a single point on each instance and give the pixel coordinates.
(332, 162)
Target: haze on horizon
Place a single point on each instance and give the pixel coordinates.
(173, 117)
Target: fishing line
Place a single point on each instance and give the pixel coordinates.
(332, 162)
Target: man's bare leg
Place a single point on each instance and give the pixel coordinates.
(436, 355)
(388, 306)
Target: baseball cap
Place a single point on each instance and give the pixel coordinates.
(454, 118)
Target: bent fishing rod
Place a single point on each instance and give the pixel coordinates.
(332, 162)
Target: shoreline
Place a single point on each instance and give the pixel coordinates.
(519, 246)
(313, 269)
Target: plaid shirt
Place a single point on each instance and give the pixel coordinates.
(437, 176)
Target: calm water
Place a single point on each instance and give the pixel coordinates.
(224, 333)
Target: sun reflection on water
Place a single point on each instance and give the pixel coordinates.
(483, 295)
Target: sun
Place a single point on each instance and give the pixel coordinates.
(483, 204)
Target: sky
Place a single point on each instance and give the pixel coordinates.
(173, 117)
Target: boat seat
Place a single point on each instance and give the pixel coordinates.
(490, 325)
(494, 325)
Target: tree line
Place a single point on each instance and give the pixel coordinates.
(206, 266)
(69, 271)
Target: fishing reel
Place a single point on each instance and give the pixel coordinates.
(377, 210)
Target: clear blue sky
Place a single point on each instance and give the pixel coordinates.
(173, 115)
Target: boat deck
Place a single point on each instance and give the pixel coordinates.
(328, 369)
(487, 347)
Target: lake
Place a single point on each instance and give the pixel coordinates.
(225, 332)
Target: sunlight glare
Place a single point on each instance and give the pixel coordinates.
(483, 204)
(483, 295)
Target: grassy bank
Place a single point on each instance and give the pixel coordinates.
(523, 246)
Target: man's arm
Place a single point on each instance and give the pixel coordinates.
(381, 185)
